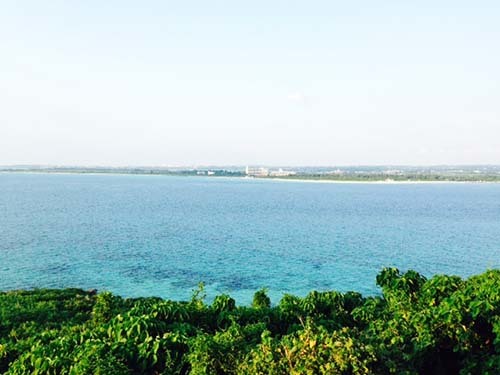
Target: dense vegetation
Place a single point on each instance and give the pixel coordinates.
(357, 174)
(444, 325)
(403, 177)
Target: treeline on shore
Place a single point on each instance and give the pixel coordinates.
(345, 176)
(441, 325)
(404, 177)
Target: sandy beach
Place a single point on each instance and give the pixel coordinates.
(378, 182)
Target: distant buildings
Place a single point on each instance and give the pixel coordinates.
(264, 172)
(281, 173)
(256, 172)
(205, 173)
(336, 172)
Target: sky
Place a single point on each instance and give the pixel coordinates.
(261, 82)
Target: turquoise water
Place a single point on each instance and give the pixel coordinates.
(158, 235)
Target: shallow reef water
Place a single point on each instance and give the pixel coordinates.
(161, 235)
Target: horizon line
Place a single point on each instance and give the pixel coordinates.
(195, 166)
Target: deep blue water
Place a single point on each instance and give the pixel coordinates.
(158, 235)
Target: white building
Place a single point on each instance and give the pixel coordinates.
(281, 173)
(256, 172)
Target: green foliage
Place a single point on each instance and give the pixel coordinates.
(223, 303)
(443, 325)
(199, 295)
(104, 308)
(261, 299)
(222, 352)
(313, 350)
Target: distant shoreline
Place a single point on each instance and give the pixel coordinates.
(385, 181)
(380, 182)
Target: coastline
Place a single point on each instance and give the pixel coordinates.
(246, 178)
(378, 182)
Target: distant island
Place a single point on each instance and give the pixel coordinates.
(469, 173)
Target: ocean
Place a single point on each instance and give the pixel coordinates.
(139, 235)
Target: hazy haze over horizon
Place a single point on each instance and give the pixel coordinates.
(265, 82)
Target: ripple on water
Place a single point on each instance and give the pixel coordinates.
(161, 236)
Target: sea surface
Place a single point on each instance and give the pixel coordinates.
(139, 235)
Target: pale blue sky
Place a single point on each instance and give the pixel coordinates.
(249, 82)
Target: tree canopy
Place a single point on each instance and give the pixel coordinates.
(441, 325)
